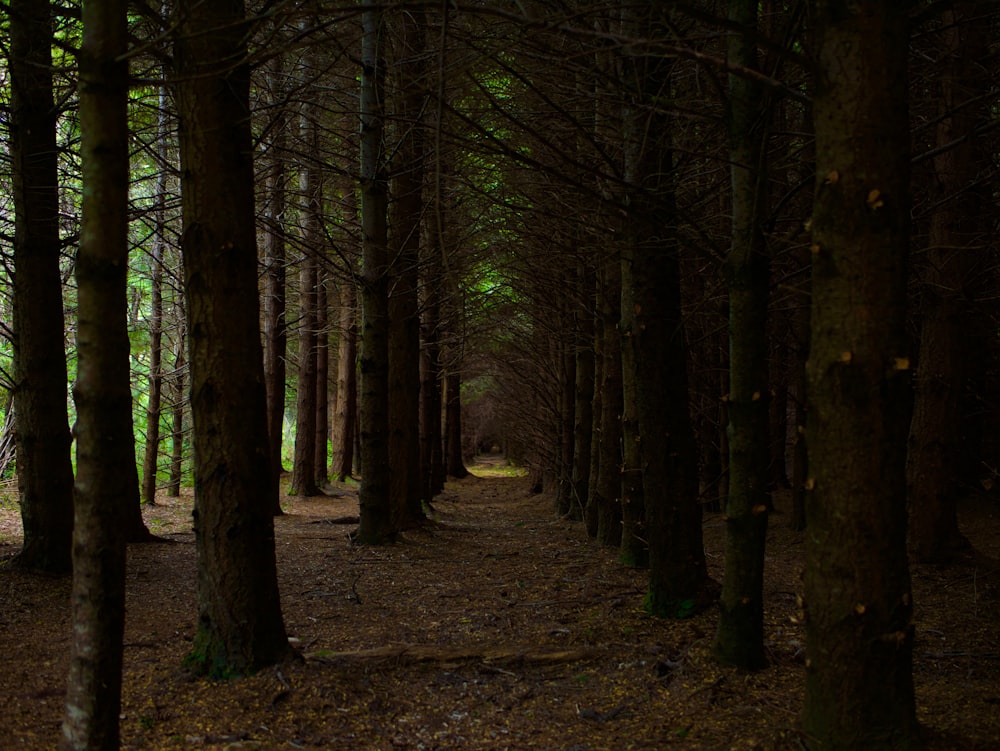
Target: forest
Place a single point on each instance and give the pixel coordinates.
(584, 374)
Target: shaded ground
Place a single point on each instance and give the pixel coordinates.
(497, 627)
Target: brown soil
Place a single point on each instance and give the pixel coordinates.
(496, 627)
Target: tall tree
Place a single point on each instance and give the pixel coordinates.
(377, 525)
(154, 400)
(104, 490)
(345, 413)
(405, 221)
(454, 459)
(950, 267)
(739, 639)
(306, 390)
(322, 442)
(44, 467)
(606, 494)
(275, 325)
(858, 601)
(583, 391)
(678, 576)
(240, 627)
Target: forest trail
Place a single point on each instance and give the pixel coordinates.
(497, 626)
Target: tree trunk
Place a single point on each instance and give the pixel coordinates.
(583, 412)
(154, 401)
(591, 511)
(431, 438)
(275, 325)
(608, 491)
(44, 469)
(797, 392)
(565, 345)
(104, 490)
(179, 399)
(454, 461)
(240, 627)
(378, 524)
(634, 549)
(678, 577)
(858, 602)
(739, 639)
(345, 416)
(322, 442)
(303, 482)
(954, 259)
(405, 222)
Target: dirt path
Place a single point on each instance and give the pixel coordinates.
(497, 627)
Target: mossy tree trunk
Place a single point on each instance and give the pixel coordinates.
(858, 602)
(240, 627)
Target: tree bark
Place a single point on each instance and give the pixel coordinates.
(275, 303)
(950, 265)
(566, 348)
(858, 602)
(322, 442)
(454, 460)
(739, 639)
(678, 579)
(303, 480)
(240, 627)
(378, 524)
(44, 468)
(583, 412)
(405, 235)
(104, 490)
(345, 415)
(607, 493)
(179, 400)
(154, 401)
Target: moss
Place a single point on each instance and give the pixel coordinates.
(207, 659)
(669, 608)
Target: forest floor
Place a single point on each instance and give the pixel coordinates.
(498, 626)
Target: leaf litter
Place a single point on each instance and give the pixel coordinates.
(496, 625)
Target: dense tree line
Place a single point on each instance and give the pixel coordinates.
(671, 257)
